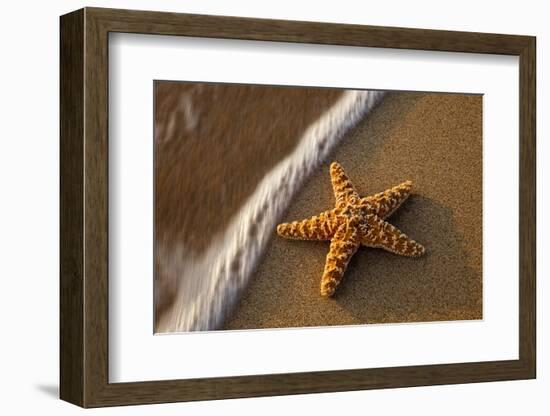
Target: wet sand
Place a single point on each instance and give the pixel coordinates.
(213, 145)
(435, 140)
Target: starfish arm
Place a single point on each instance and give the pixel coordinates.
(385, 203)
(341, 185)
(381, 234)
(343, 246)
(319, 227)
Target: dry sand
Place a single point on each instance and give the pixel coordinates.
(435, 140)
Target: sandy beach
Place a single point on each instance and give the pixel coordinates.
(433, 140)
(213, 145)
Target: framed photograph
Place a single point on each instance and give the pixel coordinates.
(255, 207)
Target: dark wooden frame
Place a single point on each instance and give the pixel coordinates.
(84, 214)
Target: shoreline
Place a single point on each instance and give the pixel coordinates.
(432, 139)
(201, 302)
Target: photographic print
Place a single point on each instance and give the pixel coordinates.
(292, 207)
(394, 208)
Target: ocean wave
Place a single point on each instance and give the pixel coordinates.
(224, 269)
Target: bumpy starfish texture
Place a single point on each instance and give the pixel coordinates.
(353, 222)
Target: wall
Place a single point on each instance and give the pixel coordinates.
(29, 205)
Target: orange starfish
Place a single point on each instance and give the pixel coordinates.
(353, 222)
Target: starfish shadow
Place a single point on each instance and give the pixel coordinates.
(380, 287)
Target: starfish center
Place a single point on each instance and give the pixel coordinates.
(353, 223)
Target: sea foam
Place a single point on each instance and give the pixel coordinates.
(221, 273)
